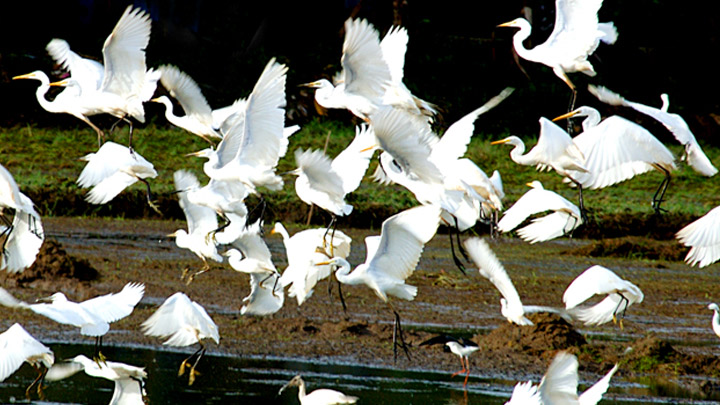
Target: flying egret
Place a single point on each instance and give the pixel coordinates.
(184, 323)
(17, 346)
(461, 347)
(490, 267)
(198, 118)
(674, 123)
(559, 385)
(201, 221)
(322, 396)
(556, 150)
(92, 316)
(598, 280)
(365, 76)
(126, 82)
(391, 258)
(255, 138)
(616, 150)
(112, 169)
(575, 36)
(715, 319)
(565, 218)
(24, 234)
(304, 250)
(703, 238)
(129, 380)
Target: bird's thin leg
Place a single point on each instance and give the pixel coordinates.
(185, 362)
(340, 294)
(581, 200)
(617, 309)
(100, 134)
(39, 381)
(261, 205)
(398, 337)
(660, 193)
(193, 372)
(461, 249)
(149, 196)
(98, 356)
(33, 227)
(189, 277)
(462, 361)
(7, 231)
(332, 225)
(457, 261)
(225, 224)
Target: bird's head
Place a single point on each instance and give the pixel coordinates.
(512, 140)
(36, 75)
(713, 307)
(295, 382)
(161, 100)
(204, 153)
(57, 297)
(318, 84)
(277, 228)
(535, 184)
(516, 23)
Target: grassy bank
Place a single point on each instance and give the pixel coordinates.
(45, 165)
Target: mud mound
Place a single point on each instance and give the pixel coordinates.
(652, 354)
(53, 263)
(633, 247)
(549, 332)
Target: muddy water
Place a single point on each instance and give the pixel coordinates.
(257, 355)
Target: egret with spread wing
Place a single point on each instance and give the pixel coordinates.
(703, 238)
(24, 234)
(17, 346)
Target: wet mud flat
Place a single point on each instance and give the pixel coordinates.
(672, 342)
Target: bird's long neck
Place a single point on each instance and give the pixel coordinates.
(592, 119)
(343, 274)
(716, 317)
(301, 390)
(169, 113)
(40, 94)
(517, 153)
(518, 40)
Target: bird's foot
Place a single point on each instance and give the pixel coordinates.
(153, 205)
(193, 373)
(463, 371)
(181, 371)
(98, 358)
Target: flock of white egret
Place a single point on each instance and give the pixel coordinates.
(252, 136)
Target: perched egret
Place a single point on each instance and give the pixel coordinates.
(559, 385)
(201, 221)
(126, 82)
(461, 347)
(703, 238)
(322, 396)
(616, 150)
(490, 267)
(576, 35)
(17, 346)
(24, 234)
(365, 76)
(565, 218)
(129, 380)
(184, 323)
(303, 250)
(674, 123)
(92, 316)
(598, 280)
(391, 258)
(113, 168)
(715, 319)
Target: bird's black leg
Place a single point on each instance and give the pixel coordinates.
(38, 381)
(399, 338)
(7, 231)
(461, 249)
(660, 193)
(617, 309)
(98, 356)
(581, 200)
(457, 261)
(261, 206)
(193, 373)
(184, 363)
(332, 225)
(149, 196)
(225, 224)
(571, 107)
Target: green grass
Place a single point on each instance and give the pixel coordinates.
(41, 158)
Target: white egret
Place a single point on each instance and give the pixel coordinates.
(201, 221)
(674, 123)
(92, 316)
(565, 218)
(391, 258)
(365, 75)
(598, 280)
(304, 250)
(255, 138)
(17, 346)
(112, 169)
(183, 322)
(461, 347)
(126, 82)
(490, 267)
(265, 297)
(322, 396)
(556, 150)
(715, 319)
(559, 385)
(703, 238)
(317, 183)
(129, 380)
(616, 150)
(575, 36)
(198, 118)
(24, 234)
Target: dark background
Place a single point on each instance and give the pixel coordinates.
(456, 57)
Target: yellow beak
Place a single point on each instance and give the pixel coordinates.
(60, 83)
(499, 142)
(25, 76)
(568, 115)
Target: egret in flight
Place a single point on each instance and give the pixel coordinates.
(92, 316)
(391, 258)
(24, 234)
(322, 396)
(129, 380)
(126, 82)
(183, 322)
(17, 346)
(575, 36)
(674, 123)
(703, 238)
(598, 280)
(460, 347)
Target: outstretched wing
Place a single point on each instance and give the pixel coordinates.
(112, 307)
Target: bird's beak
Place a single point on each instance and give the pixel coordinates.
(60, 83)
(322, 263)
(171, 235)
(568, 115)
(198, 153)
(528, 184)
(368, 148)
(313, 85)
(507, 24)
(499, 142)
(155, 100)
(45, 299)
(272, 231)
(25, 76)
(282, 389)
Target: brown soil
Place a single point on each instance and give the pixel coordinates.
(669, 332)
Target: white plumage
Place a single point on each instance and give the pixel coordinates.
(318, 183)
(703, 238)
(716, 318)
(17, 346)
(322, 396)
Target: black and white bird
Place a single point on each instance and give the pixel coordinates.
(461, 347)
